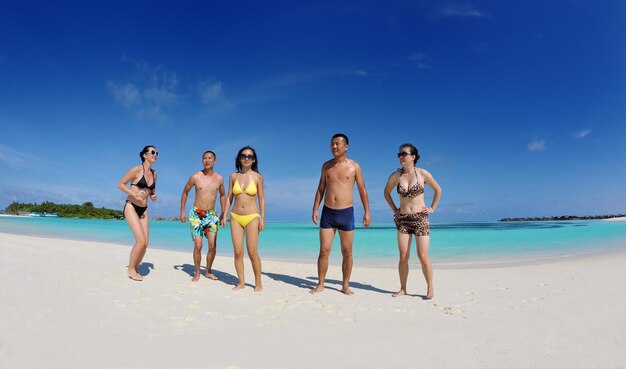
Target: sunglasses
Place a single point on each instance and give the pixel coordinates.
(403, 154)
(155, 153)
(244, 157)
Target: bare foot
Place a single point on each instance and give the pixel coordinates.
(211, 276)
(134, 275)
(240, 286)
(429, 295)
(196, 277)
(399, 293)
(317, 289)
(347, 291)
(258, 288)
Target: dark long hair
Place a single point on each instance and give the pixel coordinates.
(144, 151)
(413, 151)
(255, 164)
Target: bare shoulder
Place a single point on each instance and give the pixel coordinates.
(328, 164)
(396, 173)
(424, 173)
(353, 163)
(258, 176)
(137, 169)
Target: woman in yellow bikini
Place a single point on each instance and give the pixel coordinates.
(247, 217)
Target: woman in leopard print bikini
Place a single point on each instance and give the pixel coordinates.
(411, 217)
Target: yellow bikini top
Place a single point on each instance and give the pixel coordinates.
(250, 190)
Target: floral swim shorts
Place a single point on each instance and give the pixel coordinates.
(202, 222)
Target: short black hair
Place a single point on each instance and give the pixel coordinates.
(209, 152)
(340, 135)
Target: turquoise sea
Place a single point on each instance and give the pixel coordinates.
(453, 244)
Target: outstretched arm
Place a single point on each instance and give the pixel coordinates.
(430, 181)
(360, 185)
(228, 200)
(223, 201)
(391, 183)
(319, 195)
(183, 199)
(128, 177)
(153, 191)
(261, 197)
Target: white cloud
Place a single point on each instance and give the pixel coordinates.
(152, 91)
(277, 87)
(308, 77)
(19, 160)
(537, 145)
(212, 95)
(291, 200)
(582, 134)
(462, 10)
(125, 94)
(421, 61)
(12, 158)
(417, 57)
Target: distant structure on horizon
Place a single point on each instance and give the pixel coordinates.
(562, 217)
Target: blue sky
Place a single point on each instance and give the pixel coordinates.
(517, 108)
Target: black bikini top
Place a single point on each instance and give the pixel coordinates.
(415, 190)
(142, 183)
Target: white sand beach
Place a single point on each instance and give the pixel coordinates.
(69, 304)
(616, 219)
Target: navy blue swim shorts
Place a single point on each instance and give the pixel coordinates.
(342, 219)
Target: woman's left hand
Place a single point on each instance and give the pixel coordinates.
(426, 210)
(261, 225)
(153, 197)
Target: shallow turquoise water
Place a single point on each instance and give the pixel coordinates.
(452, 243)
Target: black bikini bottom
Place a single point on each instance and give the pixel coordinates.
(138, 209)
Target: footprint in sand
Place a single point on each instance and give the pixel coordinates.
(449, 310)
(533, 299)
(183, 322)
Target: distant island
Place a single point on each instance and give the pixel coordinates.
(562, 217)
(47, 208)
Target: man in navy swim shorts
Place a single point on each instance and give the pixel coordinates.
(336, 188)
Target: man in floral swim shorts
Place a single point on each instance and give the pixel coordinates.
(203, 219)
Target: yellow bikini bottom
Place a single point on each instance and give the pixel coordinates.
(243, 220)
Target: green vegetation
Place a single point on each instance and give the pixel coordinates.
(86, 210)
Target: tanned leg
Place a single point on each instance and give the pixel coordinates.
(236, 232)
(326, 243)
(404, 248)
(346, 238)
(210, 256)
(138, 250)
(422, 243)
(197, 257)
(252, 243)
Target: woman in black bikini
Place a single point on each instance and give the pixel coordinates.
(142, 180)
(412, 216)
